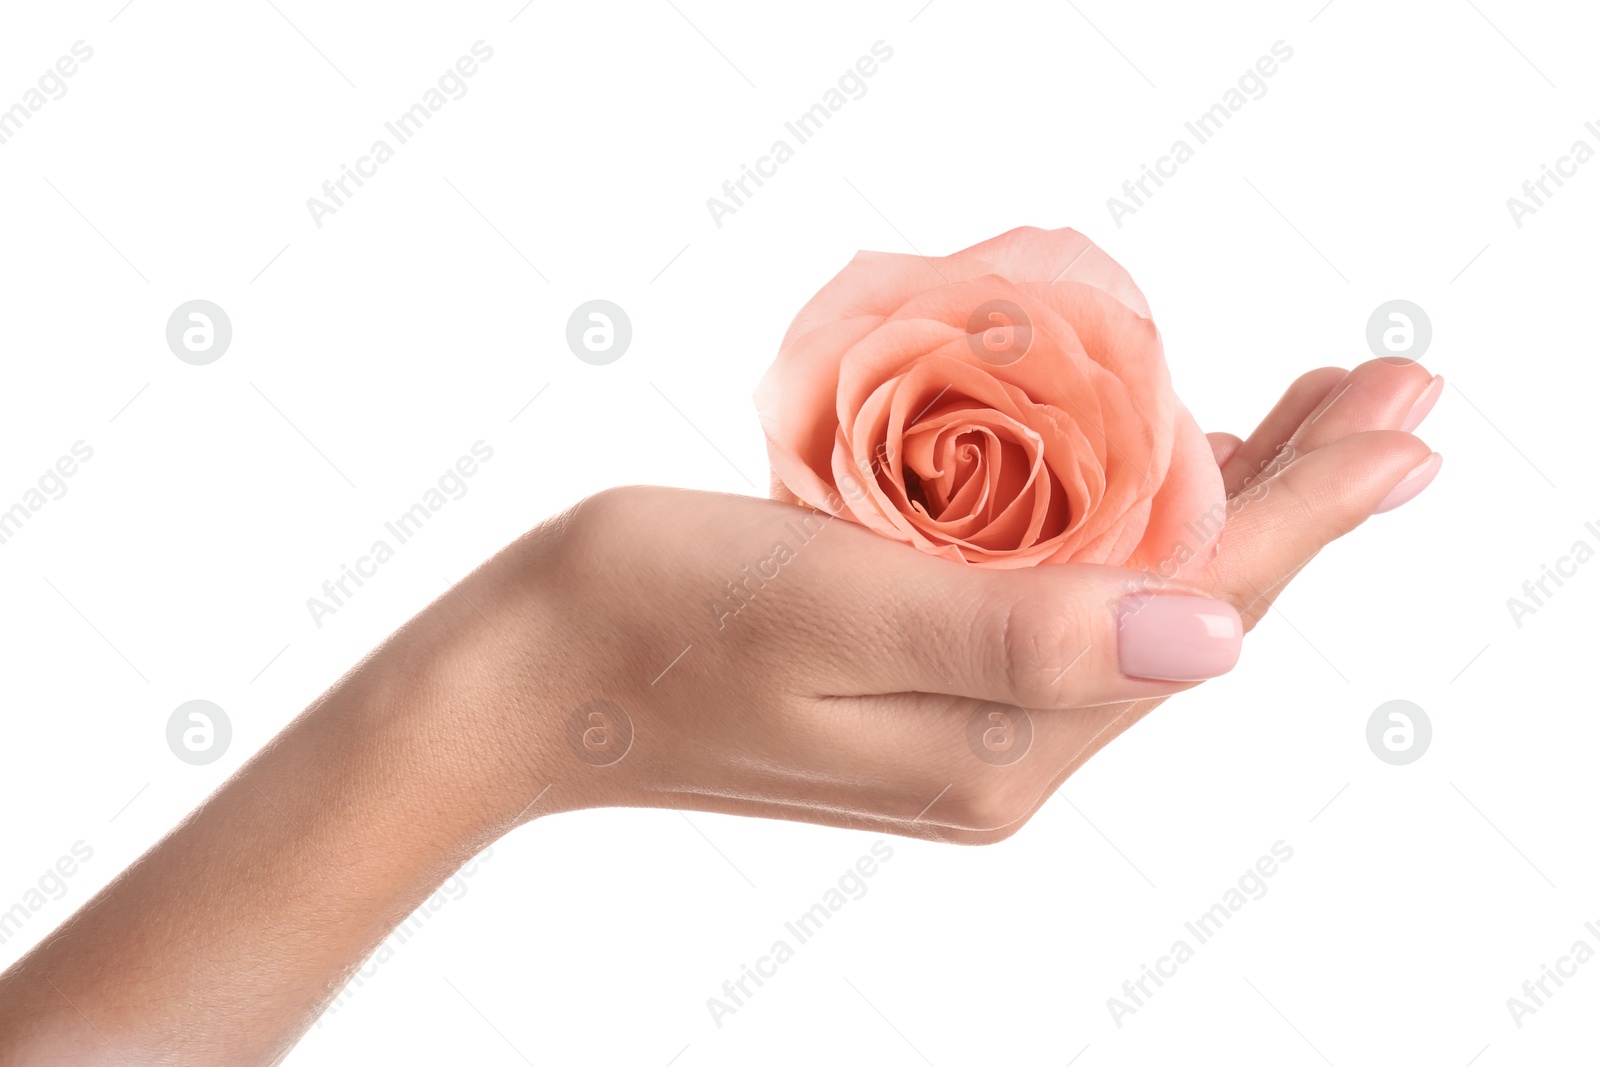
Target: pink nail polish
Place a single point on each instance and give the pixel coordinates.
(1411, 484)
(1423, 404)
(1177, 638)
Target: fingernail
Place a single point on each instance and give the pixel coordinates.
(1177, 638)
(1411, 484)
(1423, 404)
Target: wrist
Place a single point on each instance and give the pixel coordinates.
(481, 685)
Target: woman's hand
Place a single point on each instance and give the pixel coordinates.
(605, 660)
(737, 655)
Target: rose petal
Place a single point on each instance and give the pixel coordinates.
(793, 401)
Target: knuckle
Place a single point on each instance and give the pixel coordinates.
(998, 834)
(605, 509)
(1034, 649)
(994, 809)
(602, 522)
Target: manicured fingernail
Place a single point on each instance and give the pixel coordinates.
(1177, 638)
(1411, 484)
(1423, 404)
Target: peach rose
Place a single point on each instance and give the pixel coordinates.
(1007, 405)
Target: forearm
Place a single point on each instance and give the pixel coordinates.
(850, 688)
(227, 939)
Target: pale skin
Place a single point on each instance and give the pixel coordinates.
(839, 696)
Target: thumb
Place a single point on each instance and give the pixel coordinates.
(1071, 635)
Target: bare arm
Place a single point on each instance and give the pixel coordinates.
(227, 939)
(841, 692)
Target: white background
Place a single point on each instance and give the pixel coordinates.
(370, 353)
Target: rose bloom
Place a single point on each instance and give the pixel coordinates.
(1005, 406)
